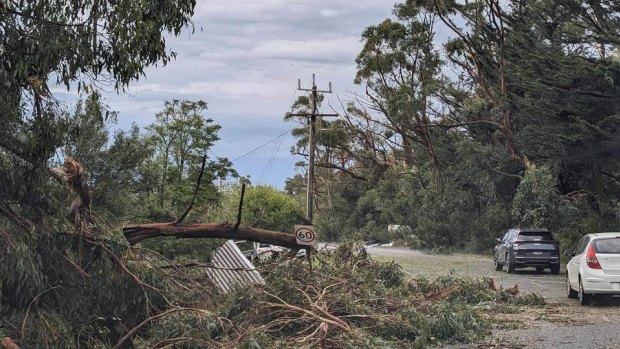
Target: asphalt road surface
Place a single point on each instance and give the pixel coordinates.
(563, 323)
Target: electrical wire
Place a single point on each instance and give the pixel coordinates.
(263, 145)
(278, 145)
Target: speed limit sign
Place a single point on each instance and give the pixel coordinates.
(306, 235)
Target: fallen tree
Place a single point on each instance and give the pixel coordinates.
(136, 233)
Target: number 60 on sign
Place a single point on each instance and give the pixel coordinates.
(305, 235)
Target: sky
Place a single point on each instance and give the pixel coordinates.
(244, 59)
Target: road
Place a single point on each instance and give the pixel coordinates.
(563, 323)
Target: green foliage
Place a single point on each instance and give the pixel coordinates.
(87, 39)
(76, 42)
(456, 322)
(264, 207)
(531, 299)
(380, 304)
(69, 285)
(536, 202)
(181, 135)
(523, 131)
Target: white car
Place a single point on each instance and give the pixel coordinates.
(594, 268)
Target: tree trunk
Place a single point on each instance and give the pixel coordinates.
(135, 234)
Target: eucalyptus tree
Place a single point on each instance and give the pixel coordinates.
(401, 70)
(80, 44)
(181, 135)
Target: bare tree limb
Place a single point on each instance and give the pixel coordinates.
(155, 317)
(135, 234)
(191, 205)
(340, 168)
(30, 306)
(76, 267)
(19, 221)
(240, 208)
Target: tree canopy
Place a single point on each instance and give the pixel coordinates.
(511, 121)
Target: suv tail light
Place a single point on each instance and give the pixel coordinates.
(591, 258)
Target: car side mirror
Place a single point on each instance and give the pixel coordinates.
(569, 253)
(498, 240)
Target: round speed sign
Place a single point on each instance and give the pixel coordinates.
(305, 235)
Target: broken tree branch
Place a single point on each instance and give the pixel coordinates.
(73, 175)
(28, 310)
(240, 208)
(22, 223)
(76, 266)
(135, 234)
(155, 317)
(191, 205)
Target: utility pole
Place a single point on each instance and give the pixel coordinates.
(312, 140)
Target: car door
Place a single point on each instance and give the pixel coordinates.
(497, 249)
(506, 245)
(501, 249)
(572, 268)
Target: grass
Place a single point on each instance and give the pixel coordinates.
(431, 266)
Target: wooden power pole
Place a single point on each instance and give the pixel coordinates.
(312, 140)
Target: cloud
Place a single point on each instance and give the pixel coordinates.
(338, 50)
(244, 59)
(329, 13)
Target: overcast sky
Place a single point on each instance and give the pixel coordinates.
(245, 63)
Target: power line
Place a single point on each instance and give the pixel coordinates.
(264, 144)
(278, 144)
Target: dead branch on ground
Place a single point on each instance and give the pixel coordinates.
(131, 332)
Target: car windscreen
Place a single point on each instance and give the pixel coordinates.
(535, 236)
(611, 245)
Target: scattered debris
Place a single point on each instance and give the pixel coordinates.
(231, 268)
(441, 294)
(514, 290)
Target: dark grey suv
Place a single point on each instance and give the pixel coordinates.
(522, 248)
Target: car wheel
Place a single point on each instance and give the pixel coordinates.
(570, 293)
(509, 266)
(584, 299)
(498, 266)
(540, 269)
(555, 269)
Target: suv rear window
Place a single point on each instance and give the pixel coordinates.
(535, 236)
(607, 245)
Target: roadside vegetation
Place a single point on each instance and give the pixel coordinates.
(347, 300)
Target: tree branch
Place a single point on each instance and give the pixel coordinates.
(45, 21)
(191, 205)
(240, 208)
(28, 310)
(340, 168)
(135, 234)
(155, 317)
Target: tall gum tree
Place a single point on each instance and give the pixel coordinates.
(76, 43)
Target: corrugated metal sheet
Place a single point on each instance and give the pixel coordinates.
(231, 268)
